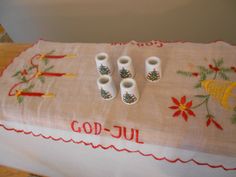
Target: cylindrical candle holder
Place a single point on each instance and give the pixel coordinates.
(104, 67)
(106, 87)
(125, 67)
(129, 91)
(153, 69)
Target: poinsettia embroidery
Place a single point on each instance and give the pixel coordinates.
(182, 108)
(216, 83)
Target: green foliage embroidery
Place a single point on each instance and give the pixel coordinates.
(215, 71)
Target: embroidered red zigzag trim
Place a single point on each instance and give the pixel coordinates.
(116, 149)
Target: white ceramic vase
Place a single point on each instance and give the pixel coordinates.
(153, 69)
(125, 67)
(129, 91)
(104, 67)
(106, 86)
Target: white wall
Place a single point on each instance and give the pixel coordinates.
(119, 20)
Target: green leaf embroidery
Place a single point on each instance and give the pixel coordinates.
(223, 76)
(185, 73)
(201, 96)
(219, 62)
(20, 99)
(45, 61)
(204, 70)
(198, 85)
(31, 67)
(51, 52)
(23, 79)
(42, 79)
(31, 86)
(48, 68)
(202, 76)
(16, 74)
(233, 118)
(226, 70)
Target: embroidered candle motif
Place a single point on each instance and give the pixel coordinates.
(33, 71)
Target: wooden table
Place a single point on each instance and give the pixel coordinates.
(8, 51)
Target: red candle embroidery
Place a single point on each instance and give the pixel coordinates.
(34, 71)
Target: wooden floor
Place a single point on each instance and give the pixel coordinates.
(10, 172)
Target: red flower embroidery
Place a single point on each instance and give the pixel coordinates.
(182, 108)
(233, 68)
(24, 72)
(216, 69)
(211, 120)
(195, 74)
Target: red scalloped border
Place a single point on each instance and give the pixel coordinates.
(116, 149)
(111, 146)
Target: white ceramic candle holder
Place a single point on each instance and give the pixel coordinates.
(104, 67)
(153, 69)
(129, 91)
(106, 87)
(125, 67)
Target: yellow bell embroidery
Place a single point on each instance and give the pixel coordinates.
(215, 80)
(221, 90)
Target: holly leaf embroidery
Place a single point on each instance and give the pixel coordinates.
(205, 70)
(201, 96)
(20, 99)
(42, 79)
(202, 76)
(233, 118)
(48, 68)
(185, 73)
(23, 79)
(45, 61)
(31, 86)
(219, 62)
(51, 52)
(223, 76)
(226, 70)
(198, 85)
(31, 67)
(16, 74)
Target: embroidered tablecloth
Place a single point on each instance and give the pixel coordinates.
(192, 107)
